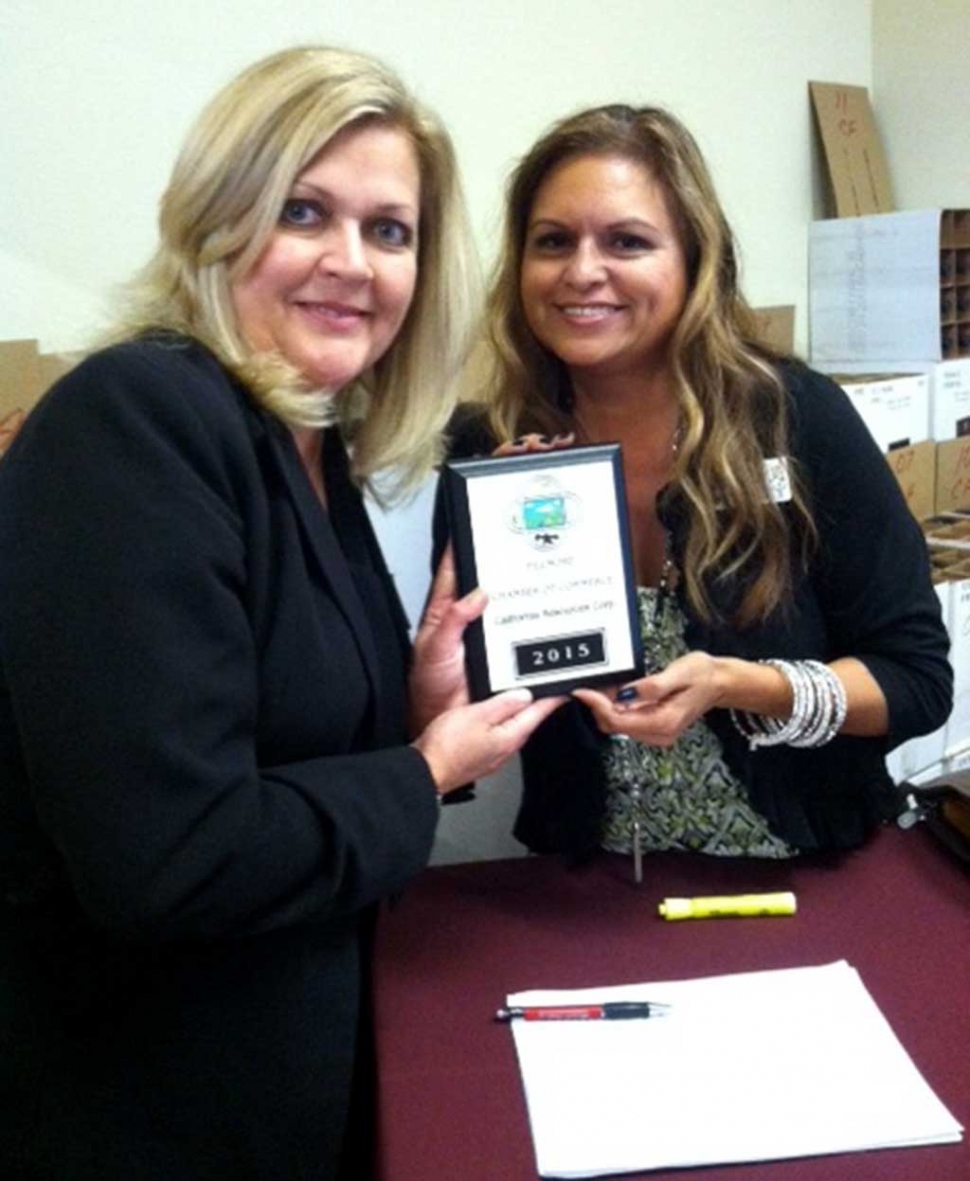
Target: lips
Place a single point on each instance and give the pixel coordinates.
(332, 318)
(332, 308)
(590, 313)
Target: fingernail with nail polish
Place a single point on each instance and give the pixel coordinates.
(627, 693)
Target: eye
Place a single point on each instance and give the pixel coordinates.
(551, 241)
(302, 213)
(627, 243)
(391, 232)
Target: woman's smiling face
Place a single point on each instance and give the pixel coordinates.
(333, 286)
(604, 278)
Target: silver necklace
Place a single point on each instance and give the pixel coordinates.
(667, 569)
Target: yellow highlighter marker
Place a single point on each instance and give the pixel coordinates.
(728, 906)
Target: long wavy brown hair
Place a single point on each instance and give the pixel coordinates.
(733, 405)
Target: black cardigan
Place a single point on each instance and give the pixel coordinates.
(205, 784)
(866, 593)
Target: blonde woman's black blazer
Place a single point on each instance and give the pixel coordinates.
(204, 781)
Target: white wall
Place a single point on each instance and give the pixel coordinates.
(921, 96)
(97, 95)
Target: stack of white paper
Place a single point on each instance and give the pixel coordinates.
(755, 1066)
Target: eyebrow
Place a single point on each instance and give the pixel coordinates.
(621, 223)
(388, 207)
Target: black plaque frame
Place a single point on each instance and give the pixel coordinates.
(457, 477)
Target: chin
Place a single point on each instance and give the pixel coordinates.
(330, 377)
(584, 359)
(328, 383)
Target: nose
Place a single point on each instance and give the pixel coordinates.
(344, 253)
(586, 267)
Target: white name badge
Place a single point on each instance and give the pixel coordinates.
(777, 479)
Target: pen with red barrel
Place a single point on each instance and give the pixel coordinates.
(607, 1011)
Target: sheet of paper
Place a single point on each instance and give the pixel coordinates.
(874, 288)
(753, 1066)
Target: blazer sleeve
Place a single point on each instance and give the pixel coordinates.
(131, 661)
(873, 580)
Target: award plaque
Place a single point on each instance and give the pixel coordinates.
(546, 536)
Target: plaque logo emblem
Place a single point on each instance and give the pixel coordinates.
(544, 513)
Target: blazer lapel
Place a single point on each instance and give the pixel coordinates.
(322, 544)
(388, 622)
(354, 526)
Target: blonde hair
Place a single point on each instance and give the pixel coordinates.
(222, 204)
(732, 401)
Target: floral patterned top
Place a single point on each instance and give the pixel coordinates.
(685, 796)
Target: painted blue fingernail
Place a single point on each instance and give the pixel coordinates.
(627, 693)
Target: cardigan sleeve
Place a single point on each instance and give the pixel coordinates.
(467, 436)
(872, 578)
(130, 663)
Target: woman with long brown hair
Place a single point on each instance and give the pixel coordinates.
(791, 632)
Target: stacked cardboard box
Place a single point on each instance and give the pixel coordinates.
(890, 295)
(889, 309)
(893, 406)
(896, 409)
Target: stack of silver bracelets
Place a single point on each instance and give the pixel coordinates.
(818, 708)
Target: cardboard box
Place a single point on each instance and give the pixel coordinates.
(949, 389)
(950, 400)
(776, 327)
(895, 408)
(956, 763)
(927, 776)
(25, 375)
(879, 288)
(915, 471)
(948, 537)
(958, 625)
(21, 384)
(914, 758)
(855, 164)
(941, 559)
(952, 476)
(21, 380)
(55, 365)
(949, 540)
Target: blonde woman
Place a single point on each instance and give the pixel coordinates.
(214, 758)
(791, 631)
